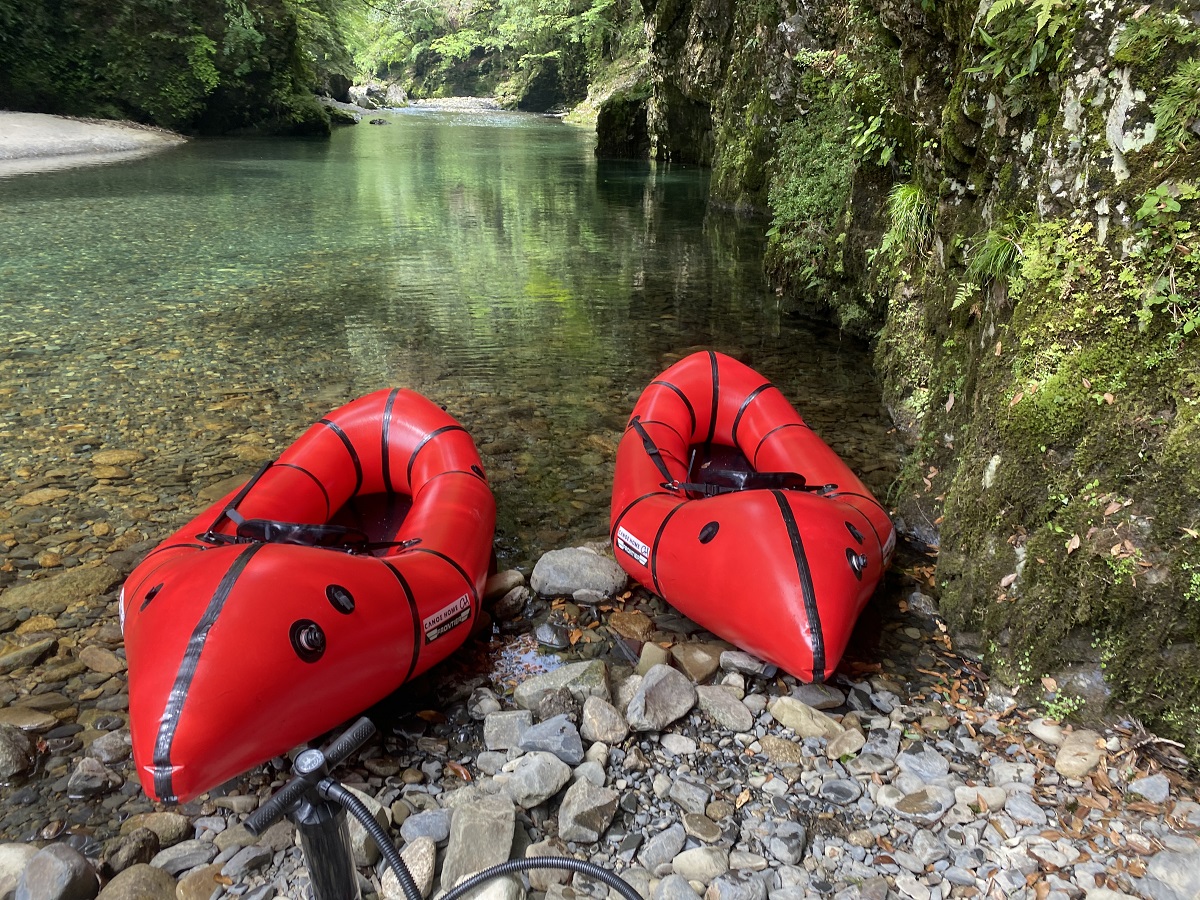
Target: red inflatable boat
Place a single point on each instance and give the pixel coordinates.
(346, 567)
(729, 507)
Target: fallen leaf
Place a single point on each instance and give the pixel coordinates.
(950, 402)
(1141, 11)
(1112, 508)
(742, 799)
(1073, 544)
(1011, 577)
(1087, 384)
(1190, 532)
(1114, 550)
(459, 770)
(575, 635)
(1016, 398)
(997, 348)
(1109, 398)
(1049, 684)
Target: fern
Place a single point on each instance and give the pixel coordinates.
(1179, 105)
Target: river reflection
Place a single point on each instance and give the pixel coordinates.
(204, 305)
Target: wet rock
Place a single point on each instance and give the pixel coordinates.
(500, 584)
(54, 594)
(13, 859)
(137, 847)
(819, 696)
(18, 657)
(558, 703)
(200, 883)
(563, 572)
(184, 855)
(245, 861)
(101, 659)
(57, 872)
(633, 624)
(674, 887)
(140, 882)
(171, 827)
(92, 777)
(747, 664)
(16, 752)
(511, 604)
(664, 695)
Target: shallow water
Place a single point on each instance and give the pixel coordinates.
(202, 306)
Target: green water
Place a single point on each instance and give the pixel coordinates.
(203, 305)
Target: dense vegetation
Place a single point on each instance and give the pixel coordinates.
(533, 53)
(221, 65)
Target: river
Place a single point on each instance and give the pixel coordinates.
(202, 306)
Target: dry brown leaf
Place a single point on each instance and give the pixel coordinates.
(1087, 384)
(1016, 398)
(998, 348)
(742, 799)
(1109, 398)
(950, 402)
(459, 770)
(1008, 579)
(1073, 544)
(1112, 508)
(1049, 684)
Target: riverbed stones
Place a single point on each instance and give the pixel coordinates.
(54, 594)
(664, 695)
(535, 777)
(601, 721)
(58, 871)
(582, 679)
(481, 835)
(805, 721)
(722, 706)
(140, 882)
(557, 735)
(504, 729)
(1079, 754)
(586, 812)
(561, 573)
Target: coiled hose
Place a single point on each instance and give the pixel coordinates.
(331, 790)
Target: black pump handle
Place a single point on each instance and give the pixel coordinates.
(313, 771)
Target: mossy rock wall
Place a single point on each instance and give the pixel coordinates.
(1036, 316)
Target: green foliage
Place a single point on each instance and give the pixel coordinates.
(1178, 106)
(202, 65)
(435, 45)
(910, 223)
(1146, 37)
(1026, 37)
(810, 185)
(1168, 280)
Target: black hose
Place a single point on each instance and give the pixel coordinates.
(331, 790)
(612, 879)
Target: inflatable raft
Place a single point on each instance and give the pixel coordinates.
(346, 567)
(728, 506)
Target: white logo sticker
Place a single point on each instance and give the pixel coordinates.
(631, 545)
(447, 618)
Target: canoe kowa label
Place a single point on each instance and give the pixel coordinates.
(447, 618)
(632, 546)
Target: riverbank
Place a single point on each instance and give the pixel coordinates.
(687, 767)
(36, 142)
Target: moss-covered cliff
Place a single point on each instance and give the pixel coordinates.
(1002, 196)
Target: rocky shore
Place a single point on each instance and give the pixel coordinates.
(589, 720)
(35, 142)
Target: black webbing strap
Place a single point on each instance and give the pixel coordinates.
(654, 454)
(231, 510)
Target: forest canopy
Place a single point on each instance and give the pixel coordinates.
(221, 65)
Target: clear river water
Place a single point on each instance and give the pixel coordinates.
(200, 307)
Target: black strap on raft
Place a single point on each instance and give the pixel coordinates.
(726, 481)
(652, 451)
(271, 531)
